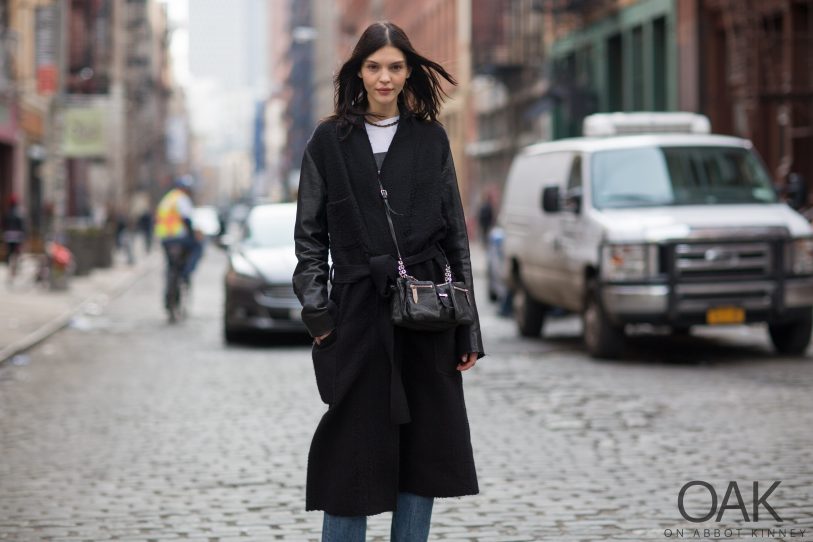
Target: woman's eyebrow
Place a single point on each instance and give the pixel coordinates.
(373, 62)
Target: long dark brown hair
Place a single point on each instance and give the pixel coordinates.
(422, 95)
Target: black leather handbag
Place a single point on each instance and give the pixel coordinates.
(422, 304)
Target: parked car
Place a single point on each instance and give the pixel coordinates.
(677, 227)
(206, 220)
(234, 219)
(259, 291)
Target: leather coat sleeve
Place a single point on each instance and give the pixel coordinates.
(311, 242)
(456, 247)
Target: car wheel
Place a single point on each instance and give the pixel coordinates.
(231, 335)
(529, 314)
(792, 338)
(602, 338)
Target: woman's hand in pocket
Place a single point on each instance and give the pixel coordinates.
(321, 338)
(467, 361)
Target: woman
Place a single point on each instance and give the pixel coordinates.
(396, 433)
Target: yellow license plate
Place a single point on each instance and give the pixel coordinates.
(725, 315)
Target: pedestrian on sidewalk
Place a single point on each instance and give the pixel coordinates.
(485, 218)
(396, 433)
(13, 237)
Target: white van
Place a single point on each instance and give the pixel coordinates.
(673, 226)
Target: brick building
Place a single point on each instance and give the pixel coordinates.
(746, 64)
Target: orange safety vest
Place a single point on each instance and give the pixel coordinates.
(168, 220)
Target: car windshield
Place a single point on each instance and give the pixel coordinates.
(269, 227)
(652, 176)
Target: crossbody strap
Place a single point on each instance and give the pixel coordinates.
(384, 196)
(402, 272)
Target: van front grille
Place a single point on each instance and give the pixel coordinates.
(723, 260)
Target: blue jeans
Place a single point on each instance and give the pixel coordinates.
(193, 249)
(410, 522)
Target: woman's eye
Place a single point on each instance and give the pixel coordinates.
(372, 68)
(396, 68)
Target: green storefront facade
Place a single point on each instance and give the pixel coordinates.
(626, 61)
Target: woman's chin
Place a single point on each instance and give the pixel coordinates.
(383, 102)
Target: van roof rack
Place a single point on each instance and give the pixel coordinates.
(612, 124)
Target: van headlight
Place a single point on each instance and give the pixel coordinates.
(628, 261)
(801, 256)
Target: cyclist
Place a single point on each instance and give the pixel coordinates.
(173, 227)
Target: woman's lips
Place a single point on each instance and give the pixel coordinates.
(384, 90)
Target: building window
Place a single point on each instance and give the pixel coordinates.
(637, 69)
(91, 45)
(615, 75)
(659, 67)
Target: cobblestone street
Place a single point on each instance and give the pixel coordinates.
(124, 428)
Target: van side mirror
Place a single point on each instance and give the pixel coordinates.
(550, 199)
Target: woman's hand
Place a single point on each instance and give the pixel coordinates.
(321, 338)
(467, 361)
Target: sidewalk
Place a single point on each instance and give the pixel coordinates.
(30, 313)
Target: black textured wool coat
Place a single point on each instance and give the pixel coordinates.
(397, 418)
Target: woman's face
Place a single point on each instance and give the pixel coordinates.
(384, 74)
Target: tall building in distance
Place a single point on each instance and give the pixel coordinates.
(228, 61)
(228, 42)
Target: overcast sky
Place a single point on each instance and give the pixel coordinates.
(219, 57)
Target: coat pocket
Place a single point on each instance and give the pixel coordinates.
(324, 367)
(446, 359)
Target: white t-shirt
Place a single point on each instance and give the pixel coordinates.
(380, 138)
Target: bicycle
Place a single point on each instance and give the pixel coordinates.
(177, 288)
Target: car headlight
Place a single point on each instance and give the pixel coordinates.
(241, 272)
(628, 261)
(801, 256)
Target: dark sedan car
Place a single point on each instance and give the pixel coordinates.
(259, 293)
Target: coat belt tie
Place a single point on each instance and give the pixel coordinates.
(383, 271)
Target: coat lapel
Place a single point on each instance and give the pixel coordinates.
(396, 177)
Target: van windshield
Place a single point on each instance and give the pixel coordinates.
(653, 176)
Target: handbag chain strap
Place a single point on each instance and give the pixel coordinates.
(402, 272)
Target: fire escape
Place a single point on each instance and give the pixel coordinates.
(770, 77)
(507, 56)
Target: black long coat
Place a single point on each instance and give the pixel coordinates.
(397, 418)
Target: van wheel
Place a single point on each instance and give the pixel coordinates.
(602, 338)
(529, 314)
(794, 337)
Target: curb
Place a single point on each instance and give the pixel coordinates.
(60, 322)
